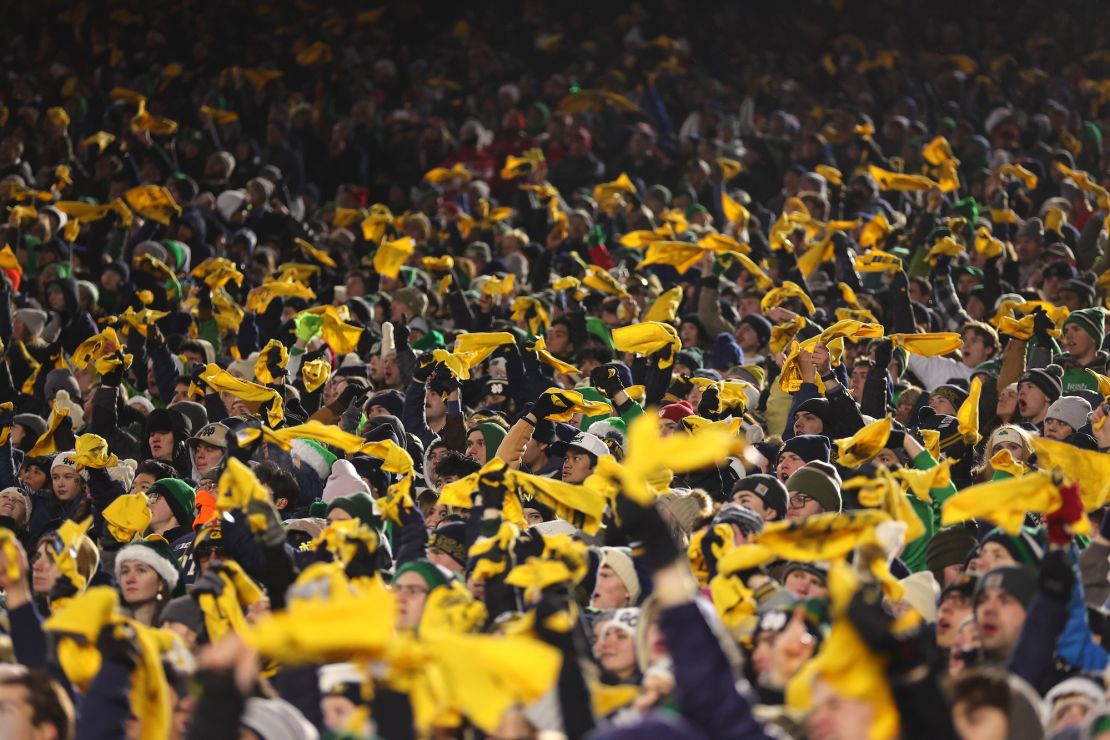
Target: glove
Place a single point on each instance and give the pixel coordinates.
(944, 264)
(154, 338)
(681, 386)
(1059, 522)
(607, 379)
(63, 589)
(425, 367)
(114, 378)
(897, 436)
(1057, 579)
(646, 526)
(350, 395)
(707, 406)
(840, 241)
(1042, 325)
(401, 334)
(364, 562)
(662, 356)
(884, 353)
(900, 283)
(873, 624)
(307, 326)
(553, 600)
(209, 583)
(273, 357)
(443, 382)
(116, 643)
(548, 404)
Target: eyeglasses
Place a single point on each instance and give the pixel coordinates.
(410, 589)
(799, 500)
(151, 497)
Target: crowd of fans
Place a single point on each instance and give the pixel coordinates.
(543, 369)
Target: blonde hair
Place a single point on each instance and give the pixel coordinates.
(1024, 435)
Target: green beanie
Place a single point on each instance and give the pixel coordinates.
(493, 434)
(180, 497)
(359, 505)
(1090, 320)
(432, 574)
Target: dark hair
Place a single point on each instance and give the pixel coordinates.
(598, 353)
(922, 285)
(280, 481)
(156, 468)
(49, 703)
(980, 687)
(457, 465)
(192, 346)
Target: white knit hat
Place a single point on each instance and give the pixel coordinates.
(620, 561)
(146, 554)
(921, 594)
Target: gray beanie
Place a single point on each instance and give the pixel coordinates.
(819, 481)
(61, 379)
(33, 318)
(33, 423)
(1072, 410)
(183, 610)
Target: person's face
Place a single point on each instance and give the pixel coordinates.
(206, 457)
(951, 573)
(138, 582)
(787, 464)
(161, 445)
(1000, 618)
(13, 505)
(835, 717)
(336, 710)
(558, 340)
(799, 506)
(805, 585)
(992, 555)
(160, 513)
(476, 447)
(747, 338)
(438, 512)
(194, 357)
(667, 427)
(1070, 300)
(187, 635)
(755, 503)
(410, 591)
(576, 466)
(942, 405)
(762, 656)
(335, 386)
(1007, 403)
(1056, 429)
(1028, 249)
(1032, 402)
(1077, 342)
(434, 407)
(66, 483)
(807, 423)
(975, 350)
(858, 381)
(609, 591)
(33, 477)
(442, 559)
(142, 482)
(951, 613)
(339, 515)
(391, 372)
(532, 517)
(1069, 714)
(17, 716)
(534, 454)
(980, 723)
(616, 651)
(688, 333)
(180, 393)
(55, 297)
(44, 571)
(888, 458)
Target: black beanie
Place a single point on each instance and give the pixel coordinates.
(1047, 379)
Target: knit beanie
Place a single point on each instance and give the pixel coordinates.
(33, 319)
(392, 401)
(686, 510)
(760, 325)
(27, 502)
(493, 434)
(1026, 548)
(67, 459)
(1016, 580)
(451, 539)
(343, 481)
(314, 455)
(921, 591)
(676, 412)
(1047, 379)
(954, 394)
(370, 469)
(820, 408)
(809, 447)
(725, 353)
(433, 575)
(155, 553)
(60, 379)
(949, 546)
(1090, 320)
(620, 560)
(179, 495)
(767, 488)
(1072, 410)
(814, 480)
(359, 505)
(33, 423)
(749, 522)
(183, 610)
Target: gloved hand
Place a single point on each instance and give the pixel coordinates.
(209, 583)
(662, 356)
(63, 589)
(707, 406)
(1071, 510)
(365, 560)
(114, 378)
(645, 525)
(117, 644)
(425, 366)
(307, 326)
(351, 394)
(607, 379)
(681, 385)
(1056, 578)
(897, 436)
(840, 242)
(154, 338)
(874, 626)
(273, 357)
(548, 404)
(884, 353)
(943, 265)
(401, 333)
(1042, 325)
(553, 601)
(443, 382)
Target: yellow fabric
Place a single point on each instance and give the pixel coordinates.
(884, 493)
(101, 140)
(259, 298)
(85, 212)
(875, 231)
(499, 286)
(1005, 462)
(790, 379)
(931, 437)
(730, 168)
(827, 536)
(846, 663)
(238, 486)
(95, 347)
(8, 260)
(832, 174)
(91, 451)
(153, 202)
(762, 279)
(438, 264)
(723, 244)
(680, 255)
(1017, 328)
(222, 117)
(937, 151)
(571, 403)
(734, 211)
(1006, 308)
(814, 257)
(515, 167)
(315, 373)
(638, 239)
(602, 281)
(783, 334)
(224, 382)
(968, 413)
(786, 291)
(439, 175)
(539, 346)
(878, 261)
(1007, 216)
(1091, 470)
(1055, 219)
(646, 338)
(328, 434)
(665, 308)
(223, 613)
(922, 482)
(946, 246)
(45, 444)
(1006, 501)
(623, 184)
(888, 180)
(863, 445)
(218, 272)
(928, 345)
(261, 365)
(451, 610)
(314, 252)
(1020, 173)
(77, 626)
(391, 255)
(580, 505)
(538, 321)
(477, 676)
(128, 516)
(649, 453)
